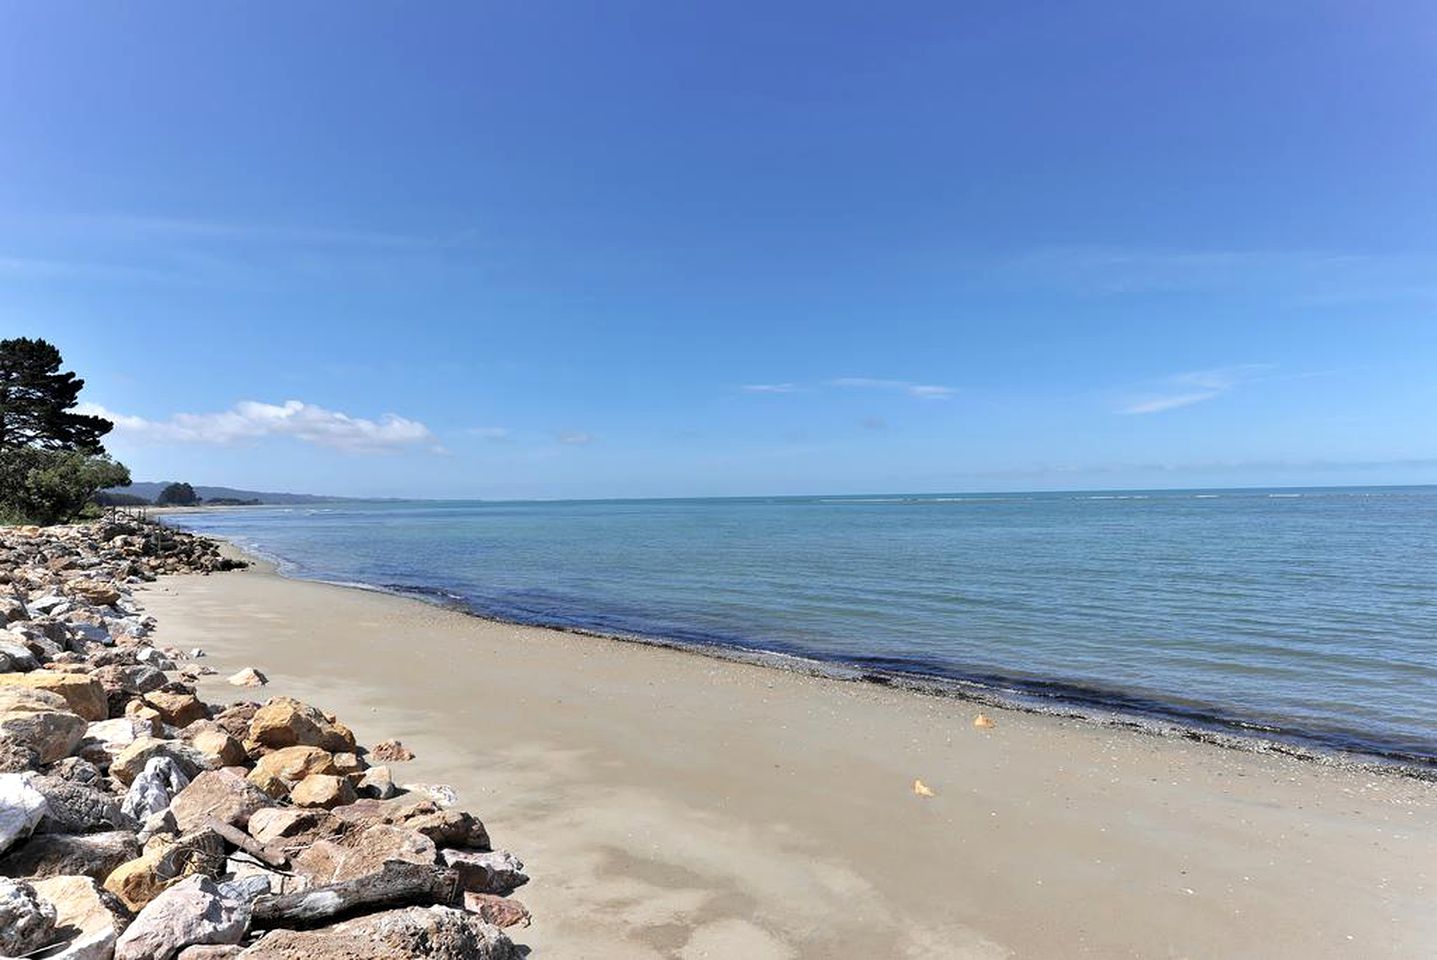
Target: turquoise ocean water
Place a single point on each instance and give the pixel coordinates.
(1309, 615)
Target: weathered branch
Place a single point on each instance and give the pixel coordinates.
(398, 883)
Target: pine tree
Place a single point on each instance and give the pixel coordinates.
(36, 400)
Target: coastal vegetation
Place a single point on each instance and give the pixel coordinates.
(52, 462)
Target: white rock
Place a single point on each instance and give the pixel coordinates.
(152, 791)
(189, 913)
(26, 921)
(154, 658)
(248, 677)
(21, 808)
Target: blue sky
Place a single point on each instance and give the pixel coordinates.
(646, 248)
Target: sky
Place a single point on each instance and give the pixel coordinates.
(564, 249)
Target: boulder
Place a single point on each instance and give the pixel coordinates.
(164, 863)
(210, 952)
(94, 855)
(235, 718)
(177, 709)
(391, 751)
(12, 609)
(124, 682)
(76, 770)
(248, 677)
(447, 828)
(95, 593)
(85, 920)
(497, 871)
(292, 826)
(500, 911)
(154, 658)
(103, 741)
(437, 933)
(286, 722)
(322, 790)
(189, 913)
(21, 808)
(222, 794)
(364, 854)
(219, 747)
(16, 657)
(73, 807)
(377, 783)
(40, 721)
(153, 789)
(276, 772)
(131, 761)
(26, 921)
(84, 695)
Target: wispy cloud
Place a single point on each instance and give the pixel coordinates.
(1194, 386)
(769, 388)
(490, 433)
(923, 391)
(252, 420)
(575, 438)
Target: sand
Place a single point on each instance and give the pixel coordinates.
(669, 804)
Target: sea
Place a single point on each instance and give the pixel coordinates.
(1299, 616)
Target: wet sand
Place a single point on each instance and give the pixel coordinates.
(669, 804)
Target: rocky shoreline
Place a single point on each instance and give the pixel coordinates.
(138, 821)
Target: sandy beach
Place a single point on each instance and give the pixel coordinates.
(669, 804)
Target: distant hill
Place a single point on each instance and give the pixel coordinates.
(150, 489)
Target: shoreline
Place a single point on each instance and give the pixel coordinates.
(1108, 709)
(672, 805)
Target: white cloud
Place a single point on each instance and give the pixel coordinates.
(1195, 386)
(923, 391)
(769, 388)
(575, 438)
(252, 420)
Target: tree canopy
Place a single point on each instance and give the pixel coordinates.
(177, 495)
(37, 401)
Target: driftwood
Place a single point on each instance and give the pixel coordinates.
(247, 843)
(398, 883)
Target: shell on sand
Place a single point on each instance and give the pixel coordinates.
(983, 721)
(922, 789)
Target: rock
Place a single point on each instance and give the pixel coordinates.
(12, 609)
(364, 854)
(76, 770)
(84, 917)
(191, 912)
(285, 722)
(234, 719)
(153, 789)
(159, 824)
(17, 757)
(222, 794)
(248, 677)
(196, 653)
(50, 605)
(164, 863)
(26, 921)
(21, 808)
(103, 741)
(437, 933)
(154, 658)
(131, 761)
(219, 748)
(322, 790)
(348, 765)
(177, 709)
(56, 854)
(210, 952)
(292, 824)
(391, 751)
(83, 694)
(276, 772)
(124, 682)
(16, 657)
(495, 872)
(95, 593)
(450, 828)
(377, 783)
(41, 721)
(441, 794)
(78, 808)
(500, 911)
